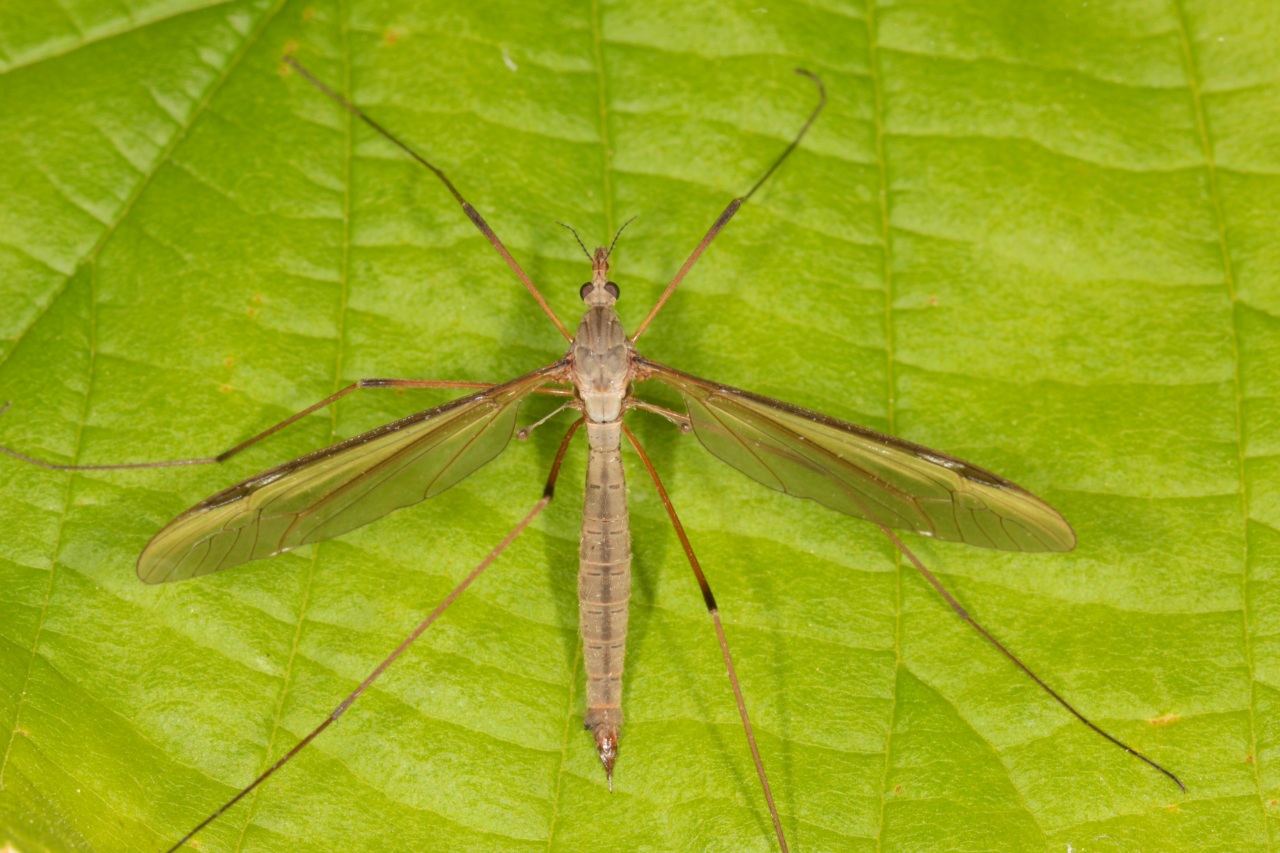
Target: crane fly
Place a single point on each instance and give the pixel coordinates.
(892, 483)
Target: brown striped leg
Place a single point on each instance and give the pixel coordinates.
(547, 494)
(472, 214)
(723, 219)
(986, 635)
(714, 612)
(244, 445)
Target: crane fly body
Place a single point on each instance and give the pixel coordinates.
(892, 483)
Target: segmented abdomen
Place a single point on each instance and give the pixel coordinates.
(604, 584)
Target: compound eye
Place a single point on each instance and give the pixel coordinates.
(583, 291)
(611, 289)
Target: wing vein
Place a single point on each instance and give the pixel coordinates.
(862, 472)
(335, 489)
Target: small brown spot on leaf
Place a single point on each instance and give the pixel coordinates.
(1274, 803)
(897, 789)
(1164, 719)
(391, 36)
(308, 14)
(229, 361)
(1173, 808)
(1248, 759)
(932, 300)
(259, 299)
(224, 388)
(252, 312)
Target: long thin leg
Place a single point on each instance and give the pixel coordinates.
(986, 635)
(470, 211)
(523, 433)
(244, 445)
(714, 612)
(681, 421)
(729, 211)
(547, 494)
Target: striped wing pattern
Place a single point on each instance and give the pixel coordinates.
(865, 473)
(339, 488)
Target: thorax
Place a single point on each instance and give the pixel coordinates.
(602, 357)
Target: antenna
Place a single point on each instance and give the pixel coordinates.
(576, 237)
(616, 236)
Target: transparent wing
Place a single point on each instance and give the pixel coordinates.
(865, 473)
(337, 489)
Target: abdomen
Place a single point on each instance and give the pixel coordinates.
(604, 586)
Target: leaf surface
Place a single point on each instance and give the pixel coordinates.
(1039, 236)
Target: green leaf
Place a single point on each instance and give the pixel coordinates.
(1038, 235)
